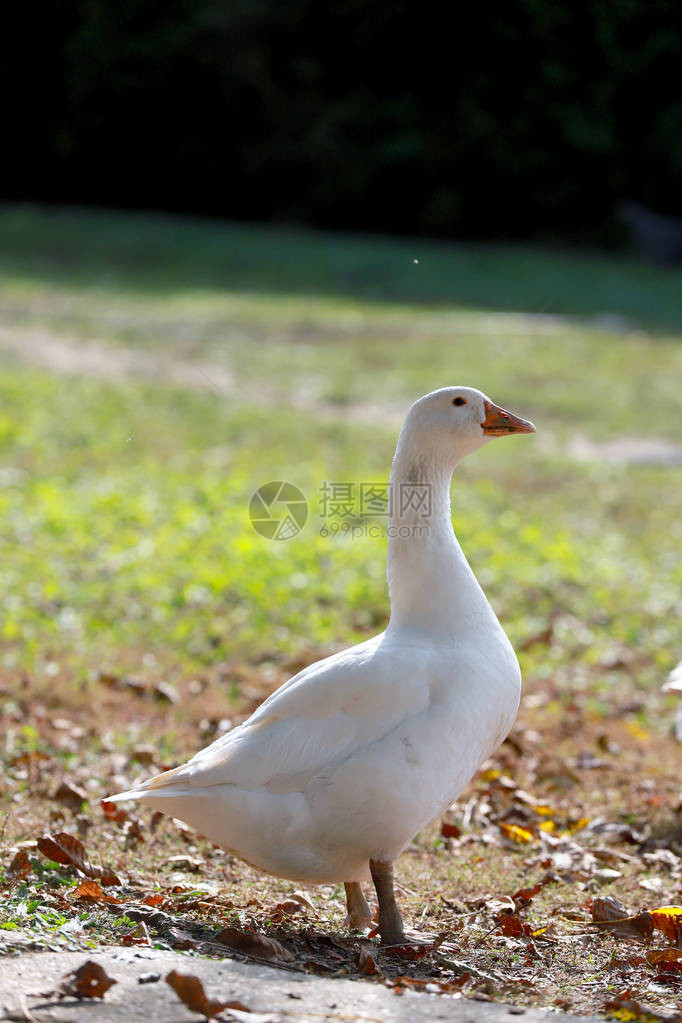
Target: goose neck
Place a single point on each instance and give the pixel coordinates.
(430, 583)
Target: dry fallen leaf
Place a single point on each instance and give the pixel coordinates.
(304, 901)
(114, 812)
(414, 951)
(513, 926)
(367, 964)
(516, 834)
(525, 896)
(190, 991)
(669, 920)
(154, 900)
(70, 795)
(611, 915)
(418, 984)
(181, 939)
(253, 944)
(287, 908)
(64, 848)
(20, 867)
(448, 830)
(664, 955)
(88, 981)
(93, 892)
(637, 1012)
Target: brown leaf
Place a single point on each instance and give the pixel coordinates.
(663, 955)
(668, 919)
(114, 812)
(253, 944)
(413, 951)
(88, 981)
(525, 896)
(181, 938)
(20, 867)
(91, 891)
(30, 760)
(287, 908)
(70, 795)
(513, 926)
(154, 900)
(418, 984)
(190, 991)
(132, 829)
(448, 830)
(611, 915)
(367, 964)
(65, 848)
(144, 755)
(304, 901)
(638, 1012)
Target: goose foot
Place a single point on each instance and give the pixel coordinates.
(390, 921)
(359, 915)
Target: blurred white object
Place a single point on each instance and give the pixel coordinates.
(674, 685)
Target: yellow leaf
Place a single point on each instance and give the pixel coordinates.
(515, 833)
(543, 810)
(581, 823)
(492, 774)
(637, 732)
(669, 920)
(547, 825)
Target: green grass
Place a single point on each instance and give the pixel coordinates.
(163, 254)
(125, 501)
(125, 533)
(290, 319)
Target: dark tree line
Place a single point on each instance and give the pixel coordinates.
(487, 120)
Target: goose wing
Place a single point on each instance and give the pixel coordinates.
(323, 715)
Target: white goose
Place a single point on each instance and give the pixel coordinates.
(338, 770)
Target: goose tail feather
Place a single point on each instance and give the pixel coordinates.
(165, 784)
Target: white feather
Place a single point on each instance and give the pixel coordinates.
(354, 755)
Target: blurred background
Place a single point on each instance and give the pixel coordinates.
(237, 241)
(524, 121)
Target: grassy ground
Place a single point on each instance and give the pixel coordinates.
(128, 564)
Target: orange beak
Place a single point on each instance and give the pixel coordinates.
(498, 422)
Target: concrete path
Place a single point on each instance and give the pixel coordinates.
(141, 994)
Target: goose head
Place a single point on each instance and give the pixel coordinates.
(454, 421)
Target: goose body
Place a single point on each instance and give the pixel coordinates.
(342, 765)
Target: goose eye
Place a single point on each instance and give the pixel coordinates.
(459, 401)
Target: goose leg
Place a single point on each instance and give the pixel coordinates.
(390, 921)
(359, 914)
